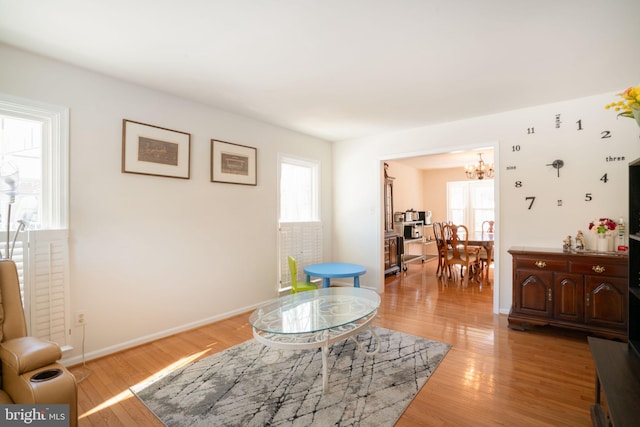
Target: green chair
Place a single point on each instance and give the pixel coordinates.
(295, 285)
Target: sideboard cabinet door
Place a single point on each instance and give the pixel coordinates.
(606, 302)
(533, 293)
(568, 297)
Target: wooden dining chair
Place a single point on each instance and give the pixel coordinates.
(487, 228)
(459, 252)
(441, 246)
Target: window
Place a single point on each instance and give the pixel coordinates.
(34, 154)
(298, 190)
(20, 163)
(299, 226)
(470, 203)
(34, 138)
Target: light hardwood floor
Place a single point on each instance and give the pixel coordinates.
(491, 376)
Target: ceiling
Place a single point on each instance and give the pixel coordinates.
(344, 69)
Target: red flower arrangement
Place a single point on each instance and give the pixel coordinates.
(602, 225)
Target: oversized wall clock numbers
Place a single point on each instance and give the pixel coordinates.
(518, 183)
(588, 150)
(579, 125)
(559, 123)
(530, 199)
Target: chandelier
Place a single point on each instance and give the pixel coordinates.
(480, 170)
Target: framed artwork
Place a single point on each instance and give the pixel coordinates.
(233, 163)
(152, 150)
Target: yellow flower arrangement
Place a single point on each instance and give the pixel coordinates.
(631, 102)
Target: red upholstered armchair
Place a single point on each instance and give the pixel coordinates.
(30, 371)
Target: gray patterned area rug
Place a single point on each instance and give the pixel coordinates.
(252, 385)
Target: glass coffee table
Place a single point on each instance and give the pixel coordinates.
(316, 319)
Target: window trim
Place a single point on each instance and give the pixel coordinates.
(55, 155)
(47, 248)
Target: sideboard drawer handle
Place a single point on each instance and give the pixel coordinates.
(598, 268)
(541, 264)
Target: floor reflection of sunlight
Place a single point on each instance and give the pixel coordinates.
(126, 394)
(478, 376)
(115, 399)
(471, 378)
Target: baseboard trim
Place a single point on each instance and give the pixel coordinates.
(79, 359)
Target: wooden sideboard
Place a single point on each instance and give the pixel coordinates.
(586, 291)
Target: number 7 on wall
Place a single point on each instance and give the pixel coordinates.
(531, 199)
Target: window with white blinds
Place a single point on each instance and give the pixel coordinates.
(41, 261)
(34, 154)
(46, 283)
(299, 226)
(301, 240)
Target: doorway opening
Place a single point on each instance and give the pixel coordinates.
(421, 182)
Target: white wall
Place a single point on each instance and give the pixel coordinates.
(153, 255)
(436, 181)
(408, 189)
(585, 153)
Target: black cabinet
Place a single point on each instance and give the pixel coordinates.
(634, 256)
(618, 364)
(391, 255)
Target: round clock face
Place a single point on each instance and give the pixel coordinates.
(557, 181)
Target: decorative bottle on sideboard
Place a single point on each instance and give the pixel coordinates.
(621, 240)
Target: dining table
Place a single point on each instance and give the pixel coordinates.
(330, 270)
